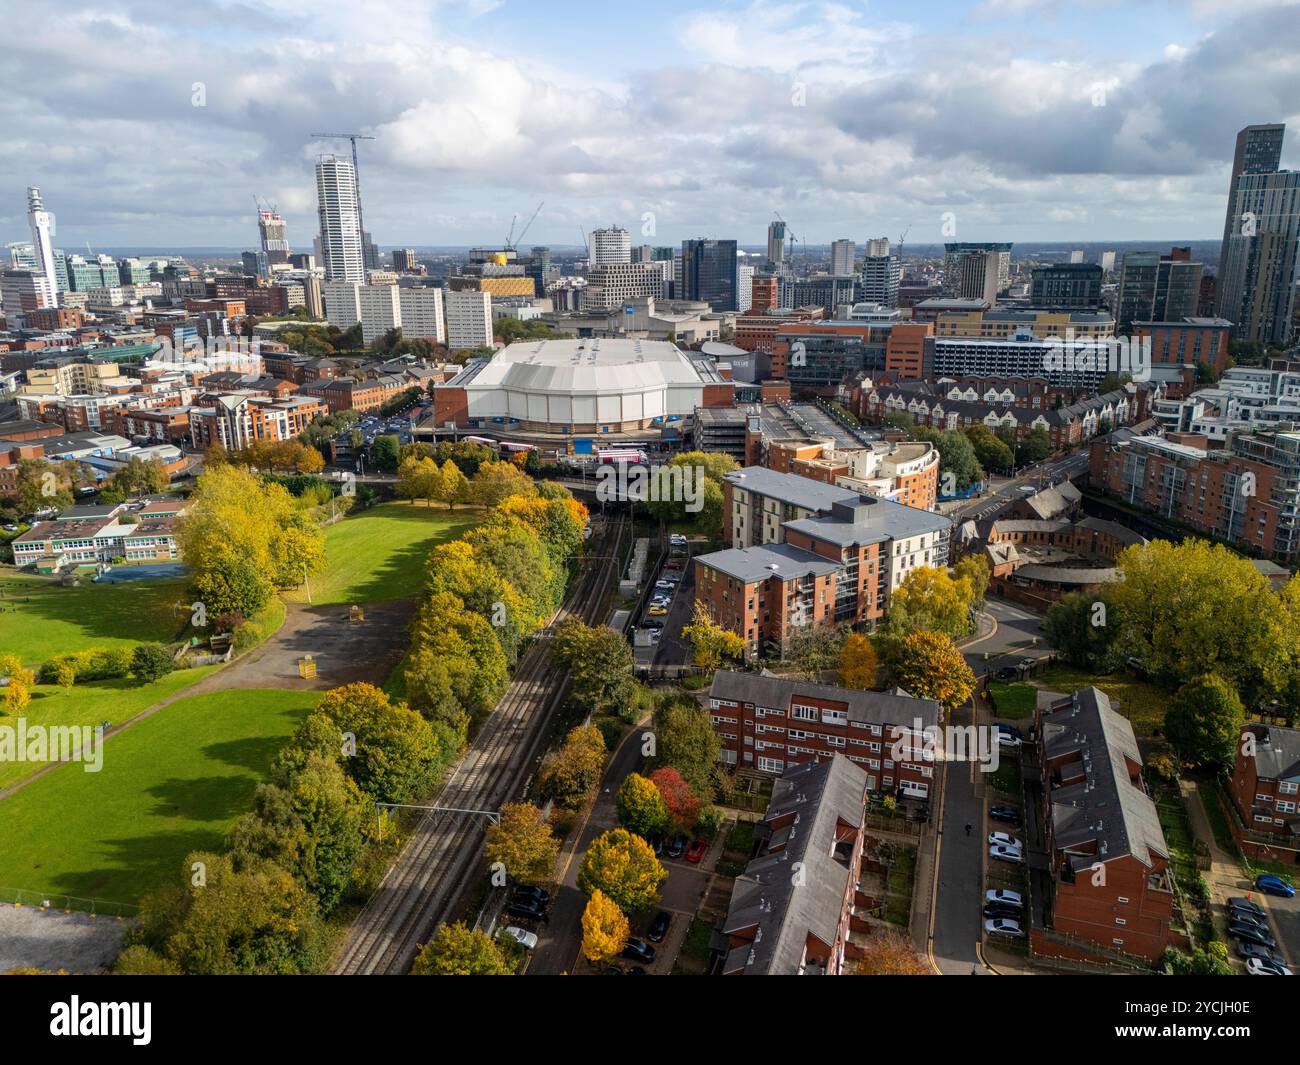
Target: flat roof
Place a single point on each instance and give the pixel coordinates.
(790, 488)
(752, 564)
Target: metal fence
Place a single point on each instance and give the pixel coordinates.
(48, 900)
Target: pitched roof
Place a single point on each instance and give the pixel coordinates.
(869, 707)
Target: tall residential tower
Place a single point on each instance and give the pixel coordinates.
(340, 220)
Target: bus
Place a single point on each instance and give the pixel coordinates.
(623, 457)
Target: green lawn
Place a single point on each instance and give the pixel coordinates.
(379, 554)
(1142, 703)
(1014, 701)
(39, 617)
(114, 701)
(171, 784)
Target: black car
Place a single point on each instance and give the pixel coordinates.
(1254, 950)
(639, 950)
(1009, 730)
(1009, 814)
(659, 927)
(636, 970)
(527, 893)
(657, 843)
(1247, 917)
(613, 970)
(1240, 902)
(1252, 934)
(530, 909)
(1007, 673)
(652, 623)
(1001, 909)
(677, 847)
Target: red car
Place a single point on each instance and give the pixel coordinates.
(672, 563)
(696, 851)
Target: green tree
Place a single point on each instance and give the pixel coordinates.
(457, 950)
(600, 667)
(1034, 446)
(569, 773)
(1203, 722)
(686, 741)
(384, 453)
(992, 453)
(150, 661)
(956, 455)
(641, 807)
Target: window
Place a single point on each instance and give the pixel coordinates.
(835, 717)
(1122, 899)
(804, 713)
(1287, 787)
(771, 765)
(1263, 798)
(1120, 920)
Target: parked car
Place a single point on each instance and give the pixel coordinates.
(1007, 854)
(528, 909)
(1259, 967)
(1240, 902)
(652, 623)
(1005, 739)
(673, 564)
(528, 891)
(1247, 917)
(1274, 885)
(1252, 934)
(995, 909)
(656, 635)
(657, 844)
(525, 938)
(1008, 814)
(657, 611)
(676, 846)
(613, 970)
(639, 950)
(1254, 950)
(659, 927)
(666, 585)
(671, 578)
(1027, 663)
(1004, 839)
(1010, 730)
(1007, 673)
(1005, 897)
(696, 851)
(1004, 926)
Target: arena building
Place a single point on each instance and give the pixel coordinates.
(592, 385)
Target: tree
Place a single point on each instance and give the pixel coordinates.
(1083, 626)
(685, 739)
(956, 455)
(680, 800)
(991, 452)
(150, 661)
(604, 928)
(1034, 446)
(418, 478)
(625, 868)
(929, 666)
(496, 481)
(397, 754)
(65, 675)
(522, 842)
(975, 568)
(710, 642)
(891, 954)
(1203, 722)
(568, 774)
(641, 806)
(384, 452)
(15, 695)
(814, 650)
(929, 598)
(452, 486)
(230, 584)
(858, 666)
(457, 950)
(600, 667)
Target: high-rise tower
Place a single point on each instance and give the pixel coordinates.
(340, 219)
(42, 223)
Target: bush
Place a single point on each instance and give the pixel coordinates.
(97, 663)
(710, 821)
(611, 728)
(150, 661)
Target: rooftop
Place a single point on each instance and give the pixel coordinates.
(751, 564)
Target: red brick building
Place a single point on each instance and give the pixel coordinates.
(1265, 789)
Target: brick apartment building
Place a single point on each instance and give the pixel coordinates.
(1188, 342)
(794, 910)
(236, 420)
(1107, 884)
(346, 394)
(1265, 789)
(1245, 490)
(771, 723)
(808, 554)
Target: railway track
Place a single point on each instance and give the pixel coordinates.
(423, 886)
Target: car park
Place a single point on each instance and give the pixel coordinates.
(1004, 926)
(1007, 854)
(536, 894)
(1005, 897)
(530, 910)
(1255, 950)
(1274, 885)
(639, 950)
(1005, 839)
(1252, 934)
(1259, 967)
(525, 938)
(1240, 902)
(1009, 814)
(659, 927)
(696, 851)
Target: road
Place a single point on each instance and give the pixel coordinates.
(1011, 641)
(444, 853)
(1004, 494)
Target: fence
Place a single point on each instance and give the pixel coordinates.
(47, 900)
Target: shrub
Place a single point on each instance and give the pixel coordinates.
(97, 663)
(150, 661)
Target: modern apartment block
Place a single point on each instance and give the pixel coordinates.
(1265, 789)
(1157, 288)
(469, 319)
(1256, 282)
(340, 219)
(772, 723)
(976, 271)
(1073, 286)
(843, 253)
(794, 910)
(806, 554)
(1244, 490)
(709, 272)
(1187, 342)
(609, 246)
(236, 420)
(1108, 881)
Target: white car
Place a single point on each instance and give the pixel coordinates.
(525, 938)
(1259, 967)
(665, 585)
(1007, 854)
(1004, 839)
(1004, 897)
(1003, 926)
(1005, 739)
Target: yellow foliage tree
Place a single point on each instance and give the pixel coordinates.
(858, 666)
(15, 695)
(929, 666)
(710, 642)
(604, 928)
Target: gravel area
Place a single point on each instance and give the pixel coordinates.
(53, 940)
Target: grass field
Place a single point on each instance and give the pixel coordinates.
(1142, 703)
(114, 701)
(1013, 701)
(171, 784)
(379, 554)
(39, 617)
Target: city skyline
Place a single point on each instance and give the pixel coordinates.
(850, 123)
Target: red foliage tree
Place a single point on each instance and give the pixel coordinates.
(683, 804)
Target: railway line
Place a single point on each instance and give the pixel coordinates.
(422, 888)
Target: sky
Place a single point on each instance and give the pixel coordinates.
(159, 122)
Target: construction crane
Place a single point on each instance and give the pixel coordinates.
(513, 242)
(356, 174)
(790, 233)
(900, 243)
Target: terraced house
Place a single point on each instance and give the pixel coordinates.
(771, 723)
(1265, 789)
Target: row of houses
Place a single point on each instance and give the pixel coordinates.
(91, 535)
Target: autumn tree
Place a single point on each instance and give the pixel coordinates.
(930, 598)
(604, 928)
(624, 867)
(641, 807)
(710, 642)
(975, 569)
(1203, 722)
(17, 693)
(858, 666)
(418, 478)
(496, 481)
(685, 740)
(682, 803)
(929, 666)
(600, 666)
(457, 950)
(891, 954)
(568, 774)
(452, 485)
(522, 843)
